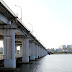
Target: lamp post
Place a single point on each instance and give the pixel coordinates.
(21, 10)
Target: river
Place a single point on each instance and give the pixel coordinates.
(49, 63)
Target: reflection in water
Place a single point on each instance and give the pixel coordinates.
(49, 63)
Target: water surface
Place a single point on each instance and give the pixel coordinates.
(49, 63)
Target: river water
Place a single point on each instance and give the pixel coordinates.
(49, 63)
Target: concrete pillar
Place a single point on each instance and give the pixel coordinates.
(32, 48)
(39, 51)
(46, 52)
(36, 51)
(25, 51)
(42, 51)
(29, 49)
(9, 48)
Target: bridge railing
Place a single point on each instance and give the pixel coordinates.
(1, 57)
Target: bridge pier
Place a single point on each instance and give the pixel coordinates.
(25, 53)
(36, 51)
(9, 48)
(42, 52)
(39, 51)
(32, 48)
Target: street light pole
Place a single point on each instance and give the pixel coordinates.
(21, 10)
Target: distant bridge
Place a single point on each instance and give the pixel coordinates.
(14, 33)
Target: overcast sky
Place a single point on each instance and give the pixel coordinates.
(51, 19)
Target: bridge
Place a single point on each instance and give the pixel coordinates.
(13, 33)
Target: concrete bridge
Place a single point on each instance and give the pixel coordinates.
(13, 33)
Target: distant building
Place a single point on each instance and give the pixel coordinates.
(71, 45)
(59, 50)
(62, 46)
(65, 48)
(62, 49)
(68, 46)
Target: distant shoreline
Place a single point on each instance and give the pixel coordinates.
(59, 53)
(62, 53)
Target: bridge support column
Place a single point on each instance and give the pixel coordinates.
(42, 52)
(36, 51)
(9, 48)
(32, 48)
(46, 53)
(39, 51)
(25, 53)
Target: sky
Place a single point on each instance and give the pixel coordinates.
(50, 21)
